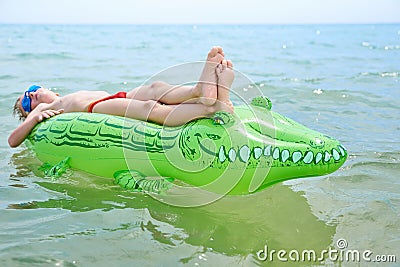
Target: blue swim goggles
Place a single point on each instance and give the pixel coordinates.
(26, 101)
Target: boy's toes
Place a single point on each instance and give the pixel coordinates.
(213, 52)
(216, 54)
(224, 64)
(220, 50)
(219, 69)
(230, 64)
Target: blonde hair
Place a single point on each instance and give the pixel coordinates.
(17, 111)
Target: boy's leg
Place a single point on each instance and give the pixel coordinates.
(175, 115)
(166, 93)
(150, 110)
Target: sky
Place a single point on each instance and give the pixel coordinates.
(198, 11)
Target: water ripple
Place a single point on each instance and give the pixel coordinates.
(384, 47)
(379, 74)
(46, 56)
(7, 77)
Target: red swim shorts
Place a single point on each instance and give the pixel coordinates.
(117, 95)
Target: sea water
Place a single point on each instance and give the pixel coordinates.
(342, 80)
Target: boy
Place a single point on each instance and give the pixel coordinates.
(159, 102)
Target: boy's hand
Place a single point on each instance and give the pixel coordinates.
(45, 114)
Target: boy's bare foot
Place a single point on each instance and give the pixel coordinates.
(226, 76)
(208, 80)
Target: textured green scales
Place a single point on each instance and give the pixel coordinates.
(240, 153)
(138, 182)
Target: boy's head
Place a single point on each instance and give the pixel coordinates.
(30, 99)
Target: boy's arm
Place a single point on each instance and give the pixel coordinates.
(23, 130)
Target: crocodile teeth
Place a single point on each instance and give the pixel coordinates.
(275, 155)
(296, 156)
(221, 154)
(267, 151)
(308, 157)
(327, 156)
(318, 157)
(335, 154)
(285, 155)
(257, 152)
(342, 150)
(244, 153)
(232, 155)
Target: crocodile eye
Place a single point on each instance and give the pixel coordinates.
(213, 136)
(318, 141)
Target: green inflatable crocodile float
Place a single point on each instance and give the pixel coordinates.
(227, 154)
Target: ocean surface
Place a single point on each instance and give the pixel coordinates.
(342, 80)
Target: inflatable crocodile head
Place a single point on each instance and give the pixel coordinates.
(263, 147)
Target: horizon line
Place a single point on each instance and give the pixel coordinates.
(196, 24)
